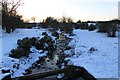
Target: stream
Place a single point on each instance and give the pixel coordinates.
(49, 64)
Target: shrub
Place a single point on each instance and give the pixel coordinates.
(55, 34)
(19, 41)
(52, 30)
(44, 33)
(92, 49)
(51, 47)
(67, 28)
(91, 27)
(111, 30)
(108, 27)
(23, 48)
(18, 52)
(102, 27)
(46, 38)
(39, 45)
(33, 41)
(24, 43)
(84, 25)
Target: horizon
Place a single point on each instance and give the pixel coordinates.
(91, 10)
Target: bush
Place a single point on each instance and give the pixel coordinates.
(92, 49)
(19, 52)
(24, 43)
(55, 34)
(39, 45)
(84, 25)
(108, 27)
(102, 27)
(23, 48)
(46, 39)
(111, 30)
(91, 27)
(33, 41)
(67, 28)
(44, 33)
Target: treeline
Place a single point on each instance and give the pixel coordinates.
(109, 27)
(12, 20)
(65, 24)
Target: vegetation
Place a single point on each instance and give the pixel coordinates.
(10, 15)
(109, 27)
(91, 27)
(65, 24)
(23, 50)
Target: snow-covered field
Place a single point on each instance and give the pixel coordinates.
(102, 63)
(9, 41)
(0, 45)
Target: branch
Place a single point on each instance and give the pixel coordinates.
(14, 6)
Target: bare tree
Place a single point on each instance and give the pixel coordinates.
(10, 6)
(10, 15)
(65, 19)
(33, 19)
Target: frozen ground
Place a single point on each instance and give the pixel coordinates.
(102, 63)
(0, 45)
(9, 41)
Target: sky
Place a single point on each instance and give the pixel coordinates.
(96, 10)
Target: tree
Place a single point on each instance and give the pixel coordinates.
(109, 27)
(112, 28)
(55, 24)
(79, 21)
(102, 27)
(10, 15)
(69, 20)
(64, 19)
(66, 25)
(33, 19)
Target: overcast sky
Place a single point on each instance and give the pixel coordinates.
(76, 9)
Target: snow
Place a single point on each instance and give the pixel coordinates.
(102, 63)
(9, 41)
(0, 45)
(5, 75)
(91, 24)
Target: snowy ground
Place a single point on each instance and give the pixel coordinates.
(9, 41)
(0, 45)
(102, 63)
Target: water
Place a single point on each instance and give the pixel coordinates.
(50, 64)
(47, 65)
